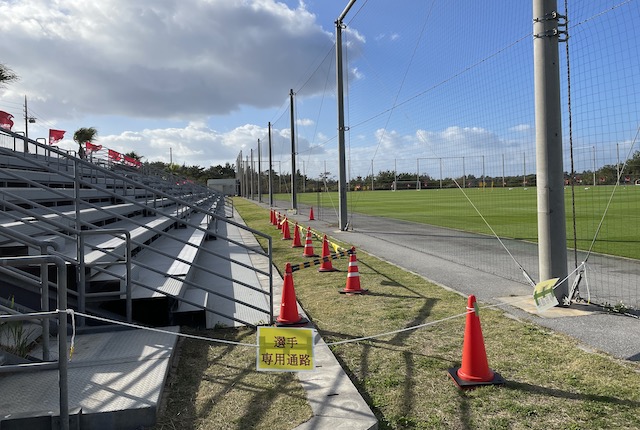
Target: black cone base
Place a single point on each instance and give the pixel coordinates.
(302, 322)
(463, 384)
(350, 292)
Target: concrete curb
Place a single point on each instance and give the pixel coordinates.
(335, 401)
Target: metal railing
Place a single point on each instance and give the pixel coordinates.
(61, 315)
(127, 187)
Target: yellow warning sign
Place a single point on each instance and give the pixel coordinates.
(285, 349)
(544, 296)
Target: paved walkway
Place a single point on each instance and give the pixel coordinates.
(334, 400)
(436, 254)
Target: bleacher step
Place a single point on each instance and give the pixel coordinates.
(194, 295)
(115, 379)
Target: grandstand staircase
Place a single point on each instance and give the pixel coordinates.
(136, 246)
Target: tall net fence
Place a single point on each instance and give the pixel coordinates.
(454, 119)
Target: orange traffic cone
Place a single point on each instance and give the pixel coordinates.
(353, 276)
(311, 218)
(475, 369)
(279, 221)
(272, 217)
(289, 315)
(308, 245)
(326, 265)
(286, 234)
(296, 237)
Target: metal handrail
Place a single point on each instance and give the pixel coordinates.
(126, 262)
(133, 201)
(123, 184)
(62, 366)
(140, 224)
(42, 246)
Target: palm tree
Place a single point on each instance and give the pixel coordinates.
(6, 75)
(82, 135)
(134, 155)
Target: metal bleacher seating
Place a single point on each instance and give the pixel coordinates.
(128, 233)
(138, 246)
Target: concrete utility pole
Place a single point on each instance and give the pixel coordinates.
(552, 235)
(27, 119)
(247, 173)
(294, 197)
(342, 165)
(259, 173)
(251, 171)
(239, 174)
(270, 170)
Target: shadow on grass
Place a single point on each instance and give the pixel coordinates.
(391, 296)
(261, 397)
(193, 379)
(465, 415)
(464, 400)
(392, 345)
(179, 410)
(553, 392)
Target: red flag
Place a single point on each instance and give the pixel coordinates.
(55, 136)
(115, 156)
(92, 148)
(130, 161)
(5, 120)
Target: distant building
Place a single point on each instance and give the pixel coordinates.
(228, 187)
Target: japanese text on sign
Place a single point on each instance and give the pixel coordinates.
(285, 349)
(544, 296)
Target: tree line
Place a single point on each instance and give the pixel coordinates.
(384, 180)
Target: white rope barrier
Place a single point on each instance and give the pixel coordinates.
(73, 314)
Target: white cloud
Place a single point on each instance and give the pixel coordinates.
(195, 144)
(305, 122)
(523, 128)
(157, 58)
(383, 36)
(472, 150)
(150, 73)
(357, 74)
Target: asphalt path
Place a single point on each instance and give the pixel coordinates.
(475, 264)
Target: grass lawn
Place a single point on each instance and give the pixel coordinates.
(512, 213)
(551, 381)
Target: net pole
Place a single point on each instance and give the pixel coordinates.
(342, 168)
(552, 242)
(294, 196)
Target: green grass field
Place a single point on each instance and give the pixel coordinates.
(512, 213)
(552, 382)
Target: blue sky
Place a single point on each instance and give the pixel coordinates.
(202, 78)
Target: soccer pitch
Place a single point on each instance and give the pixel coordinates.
(511, 212)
